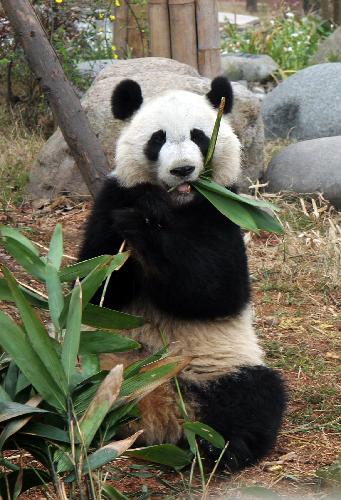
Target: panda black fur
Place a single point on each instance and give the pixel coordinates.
(188, 272)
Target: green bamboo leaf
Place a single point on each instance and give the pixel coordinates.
(106, 454)
(223, 191)
(4, 397)
(16, 343)
(14, 234)
(206, 432)
(165, 454)
(72, 333)
(109, 319)
(33, 264)
(55, 254)
(101, 403)
(81, 269)
(134, 384)
(134, 368)
(214, 137)
(11, 409)
(96, 342)
(55, 295)
(33, 298)
(110, 492)
(46, 431)
(232, 209)
(265, 221)
(37, 334)
(15, 425)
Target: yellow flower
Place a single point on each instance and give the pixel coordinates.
(117, 3)
(115, 56)
(113, 48)
(112, 18)
(59, 1)
(101, 15)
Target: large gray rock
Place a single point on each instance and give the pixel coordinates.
(55, 170)
(329, 49)
(306, 105)
(308, 167)
(250, 67)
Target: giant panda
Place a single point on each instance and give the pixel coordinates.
(188, 273)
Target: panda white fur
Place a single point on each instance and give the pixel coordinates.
(188, 274)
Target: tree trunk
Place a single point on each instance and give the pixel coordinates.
(65, 105)
(325, 9)
(251, 5)
(159, 28)
(337, 12)
(183, 31)
(208, 38)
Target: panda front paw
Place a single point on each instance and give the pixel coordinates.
(155, 206)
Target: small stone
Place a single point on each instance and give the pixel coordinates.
(251, 67)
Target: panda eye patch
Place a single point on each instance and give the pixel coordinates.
(154, 145)
(201, 140)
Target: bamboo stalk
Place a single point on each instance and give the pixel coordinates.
(120, 29)
(159, 28)
(208, 38)
(183, 31)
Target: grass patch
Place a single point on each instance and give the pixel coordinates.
(18, 150)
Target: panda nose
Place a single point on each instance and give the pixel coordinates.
(182, 171)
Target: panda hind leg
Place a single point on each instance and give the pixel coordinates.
(247, 408)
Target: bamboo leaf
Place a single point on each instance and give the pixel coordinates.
(206, 432)
(4, 397)
(96, 342)
(33, 298)
(265, 221)
(16, 343)
(46, 431)
(81, 269)
(13, 427)
(55, 295)
(55, 254)
(14, 234)
(165, 454)
(12, 410)
(232, 209)
(101, 403)
(110, 492)
(223, 191)
(72, 333)
(37, 334)
(25, 257)
(214, 137)
(106, 454)
(102, 317)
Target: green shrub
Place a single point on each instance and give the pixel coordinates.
(289, 39)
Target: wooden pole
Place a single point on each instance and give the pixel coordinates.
(337, 12)
(120, 29)
(159, 28)
(66, 107)
(209, 61)
(325, 9)
(183, 31)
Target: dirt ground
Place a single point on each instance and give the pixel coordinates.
(296, 293)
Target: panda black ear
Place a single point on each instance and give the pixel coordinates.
(126, 99)
(221, 87)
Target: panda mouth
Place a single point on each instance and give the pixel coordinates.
(184, 188)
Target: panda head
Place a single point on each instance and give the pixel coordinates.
(167, 138)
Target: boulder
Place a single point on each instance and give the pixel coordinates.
(305, 106)
(308, 167)
(329, 50)
(250, 67)
(55, 170)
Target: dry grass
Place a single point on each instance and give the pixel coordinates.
(18, 149)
